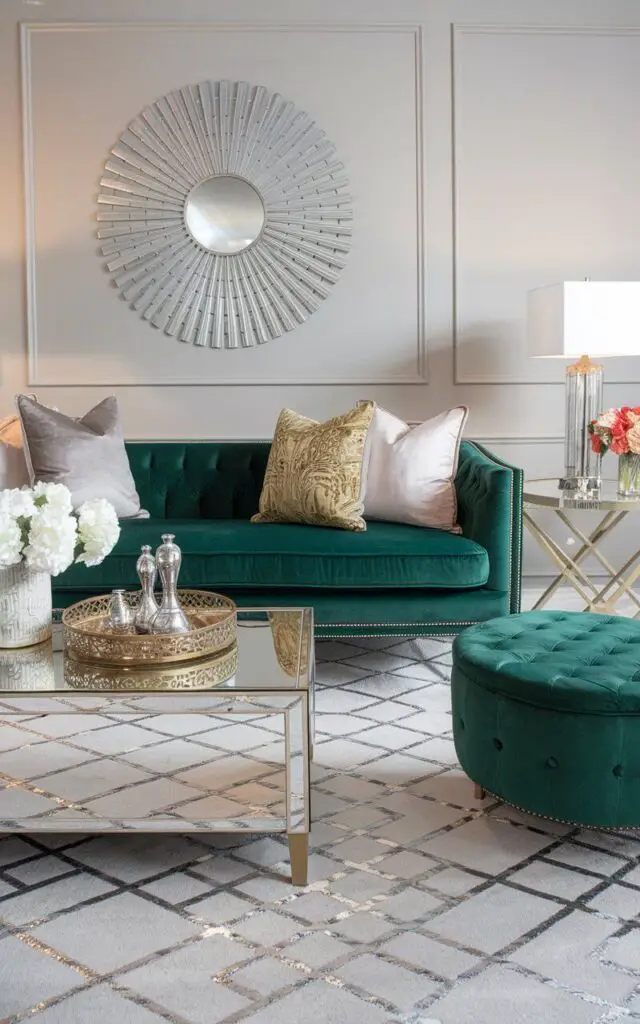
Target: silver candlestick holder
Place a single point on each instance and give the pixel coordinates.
(170, 617)
(148, 606)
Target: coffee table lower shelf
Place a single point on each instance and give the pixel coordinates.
(32, 800)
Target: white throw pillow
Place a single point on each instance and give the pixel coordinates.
(412, 469)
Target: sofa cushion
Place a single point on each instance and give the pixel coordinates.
(236, 553)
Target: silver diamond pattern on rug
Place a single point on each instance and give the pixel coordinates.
(424, 905)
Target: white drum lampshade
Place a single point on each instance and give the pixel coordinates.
(579, 320)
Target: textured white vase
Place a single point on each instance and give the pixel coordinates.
(25, 606)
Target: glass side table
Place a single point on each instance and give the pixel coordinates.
(546, 493)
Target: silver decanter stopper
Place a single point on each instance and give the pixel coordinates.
(121, 614)
(148, 606)
(170, 617)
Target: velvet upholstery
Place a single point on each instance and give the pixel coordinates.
(205, 480)
(231, 552)
(87, 455)
(546, 714)
(490, 512)
(392, 579)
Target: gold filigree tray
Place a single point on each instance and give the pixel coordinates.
(202, 674)
(88, 636)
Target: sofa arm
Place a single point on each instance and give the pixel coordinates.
(490, 512)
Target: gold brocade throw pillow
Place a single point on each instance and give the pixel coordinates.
(316, 472)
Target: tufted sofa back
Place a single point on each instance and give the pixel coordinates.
(199, 479)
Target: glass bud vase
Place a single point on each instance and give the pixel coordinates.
(629, 475)
(121, 614)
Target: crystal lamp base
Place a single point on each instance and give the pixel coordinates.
(583, 404)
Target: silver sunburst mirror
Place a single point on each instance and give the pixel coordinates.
(225, 215)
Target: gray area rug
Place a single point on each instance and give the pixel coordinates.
(424, 905)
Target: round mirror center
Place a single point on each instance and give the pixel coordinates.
(224, 214)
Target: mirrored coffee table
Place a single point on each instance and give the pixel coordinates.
(88, 748)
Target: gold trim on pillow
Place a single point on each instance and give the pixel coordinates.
(316, 472)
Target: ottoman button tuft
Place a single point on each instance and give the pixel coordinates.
(552, 762)
(497, 744)
(617, 771)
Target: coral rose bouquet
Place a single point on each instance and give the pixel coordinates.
(618, 431)
(39, 527)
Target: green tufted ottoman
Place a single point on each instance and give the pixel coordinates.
(546, 714)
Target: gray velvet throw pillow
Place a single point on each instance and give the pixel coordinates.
(87, 455)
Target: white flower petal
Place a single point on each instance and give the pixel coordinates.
(10, 541)
(98, 530)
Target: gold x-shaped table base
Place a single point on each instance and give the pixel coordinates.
(597, 598)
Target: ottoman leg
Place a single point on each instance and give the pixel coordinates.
(478, 792)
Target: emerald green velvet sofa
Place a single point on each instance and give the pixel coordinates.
(392, 580)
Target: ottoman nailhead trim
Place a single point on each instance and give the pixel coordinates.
(561, 821)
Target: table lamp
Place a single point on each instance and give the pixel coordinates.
(566, 321)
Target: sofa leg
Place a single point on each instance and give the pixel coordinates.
(478, 792)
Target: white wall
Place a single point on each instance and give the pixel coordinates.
(492, 146)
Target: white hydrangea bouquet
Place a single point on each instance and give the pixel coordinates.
(38, 524)
(40, 536)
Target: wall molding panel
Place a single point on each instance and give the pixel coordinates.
(517, 440)
(567, 227)
(130, 357)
